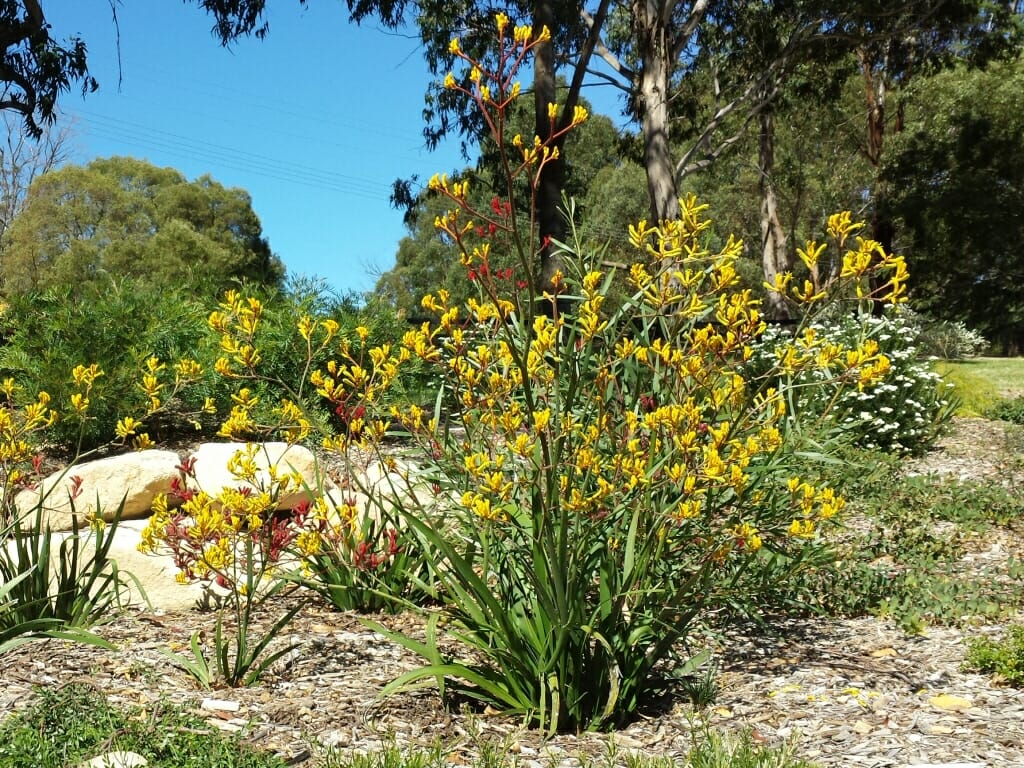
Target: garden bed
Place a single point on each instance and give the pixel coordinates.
(850, 692)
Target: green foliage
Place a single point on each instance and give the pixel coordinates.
(958, 186)
(947, 340)
(711, 749)
(71, 724)
(116, 325)
(238, 658)
(904, 413)
(76, 586)
(902, 557)
(1008, 410)
(120, 217)
(715, 749)
(367, 565)
(35, 67)
(1001, 657)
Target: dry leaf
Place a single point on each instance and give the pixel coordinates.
(861, 727)
(950, 702)
(883, 652)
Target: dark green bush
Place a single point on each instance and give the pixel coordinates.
(117, 327)
(1008, 410)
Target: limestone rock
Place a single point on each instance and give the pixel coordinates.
(117, 760)
(155, 574)
(212, 475)
(137, 477)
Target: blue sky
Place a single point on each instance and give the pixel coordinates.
(315, 121)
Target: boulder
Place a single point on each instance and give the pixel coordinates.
(135, 477)
(212, 475)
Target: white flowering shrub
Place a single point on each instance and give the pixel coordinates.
(947, 340)
(904, 413)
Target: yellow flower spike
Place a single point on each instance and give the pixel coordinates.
(501, 21)
(330, 328)
(305, 327)
(453, 47)
(79, 402)
(579, 116)
(522, 34)
(475, 74)
(142, 442)
(802, 529)
(187, 369)
(810, 253)
(541, 419)
(126, 427)
(808, 295)
(245, 398)
(841, 225)
(552, 112)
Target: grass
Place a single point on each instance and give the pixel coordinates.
(983, 382)
(72, 724)
(711, 749)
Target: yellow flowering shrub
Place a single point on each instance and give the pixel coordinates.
(612, 475)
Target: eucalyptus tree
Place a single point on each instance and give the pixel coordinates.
(123, 217)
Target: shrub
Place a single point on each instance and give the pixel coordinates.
(904, 413)
(1002, 657)
(116, 329)
(945, 339)
(1008, 410)
(610, 475)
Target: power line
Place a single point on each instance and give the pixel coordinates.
(180, 146)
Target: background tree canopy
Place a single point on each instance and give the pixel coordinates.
(121, 217)
(958, 181)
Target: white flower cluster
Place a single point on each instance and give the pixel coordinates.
(904, 413)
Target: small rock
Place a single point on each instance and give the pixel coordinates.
(117, 760)
(220, 705)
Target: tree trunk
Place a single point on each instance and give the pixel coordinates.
(774, 255)
(883, 229)
(652, 104)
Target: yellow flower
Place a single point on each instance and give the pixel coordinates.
(126, 427)
(541, 419)
(453, 47)
(802, 529)
(747, 537)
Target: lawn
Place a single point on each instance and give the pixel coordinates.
(982, 382)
